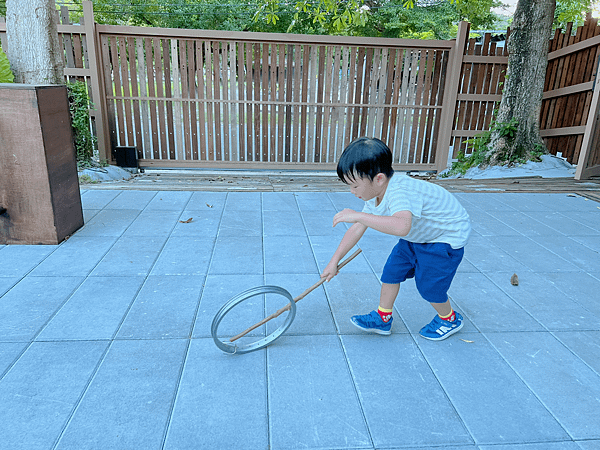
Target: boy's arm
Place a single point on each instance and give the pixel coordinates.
(397, 224)
(350, 239)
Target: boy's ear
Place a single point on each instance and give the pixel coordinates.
(380, 178)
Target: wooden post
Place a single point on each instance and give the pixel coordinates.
(39, 190)
(98, 96)
(450, 94)
(591, 138)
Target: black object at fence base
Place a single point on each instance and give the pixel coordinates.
(126, 156)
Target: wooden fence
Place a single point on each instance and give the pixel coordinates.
(192, 98)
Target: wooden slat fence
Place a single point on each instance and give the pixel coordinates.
(192, 98)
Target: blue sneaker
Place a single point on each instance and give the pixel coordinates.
(439, 329)
(372, 323)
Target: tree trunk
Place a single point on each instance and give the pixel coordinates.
(531, 30)
(33, 48)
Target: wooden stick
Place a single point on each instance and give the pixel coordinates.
(300, 297)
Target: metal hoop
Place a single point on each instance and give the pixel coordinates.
(261, 343)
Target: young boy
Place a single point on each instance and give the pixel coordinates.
(432, 225)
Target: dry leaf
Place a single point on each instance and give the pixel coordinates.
(186, 221)
(468, 342)
(514, 280)
(210, 206)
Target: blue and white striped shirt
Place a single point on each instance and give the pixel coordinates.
(437, 216)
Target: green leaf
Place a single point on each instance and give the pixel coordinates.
(6, 76)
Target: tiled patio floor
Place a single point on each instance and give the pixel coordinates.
(105, 339)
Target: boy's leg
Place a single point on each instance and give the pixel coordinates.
(379, 321)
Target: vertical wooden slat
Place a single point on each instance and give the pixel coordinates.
(312, 98)
(182, 114)
(343, 93)
(408, 125)
(335, 98)
(395, 139)
(210, 105)
(264, 108)
(304, 86)
(135, 94)
(241, 52)
(272, 109)
(329, 72)
(358, 94)
(289, 97)
(118, 91)
(216, 59)
(234, 119)
(145, 144)
(297, 82)
(320, 87)
(158, 70)
(250, 131)
(386, 111)
(226, 134)
(417, 111)
(168, 94)
(200, 75)
(150, 65)
(349, 110)
(191, 92)
(176, 99)
(108, 87)
(126, 91)
(257, 113)
(403, 102)
(366, 91)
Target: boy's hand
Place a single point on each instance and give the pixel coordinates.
(347, 215)
(330, 271)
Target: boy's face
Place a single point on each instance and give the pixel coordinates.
(366, 189)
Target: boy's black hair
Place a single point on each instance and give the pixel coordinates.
(365, 157)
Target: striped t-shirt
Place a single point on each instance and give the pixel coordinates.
(437, 216)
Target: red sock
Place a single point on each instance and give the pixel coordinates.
(386, 314)
(450, 317)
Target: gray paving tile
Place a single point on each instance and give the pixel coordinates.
(588, 218)
(532, 255)
(401, 415)
(18, 260)
(525, 224)
(169, 201)
(6, 283)
(88, 214)
(491, 202)
(320, 223)
(288, 223)
(581, 256)
(591, 242)
(98, 199)
(570, 445)
(130, 256)
(311, 400)
(525, 202)
(351, 294)
(203, 224)
(343, 200)
(558, 378)
(29, 305)
(236, 223)
(585, 344)
(487, 225)
(184, 256)
(581, 287)
(313, 315)
(589, 445)
(127, 405)
(154, 223)
(488, 306)
(494, 403)
(314, 201)
(243, 201)
(165, 308)
(279, 201)
(132, 200)
(94, 311)
(218, 290)
(548, 305)
(237, 255)
(41, 390)
(484, 256)
(566, 202)
(564, 223)
(76, 257)
(215, 201)
(109, 222)
(289, 254)
(221, 401)
(9, 353)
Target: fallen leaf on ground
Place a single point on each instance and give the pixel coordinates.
(210, 206)
(187, 221)
(514, 280)
(468, 342)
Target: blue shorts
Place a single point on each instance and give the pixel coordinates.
(433, 267)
